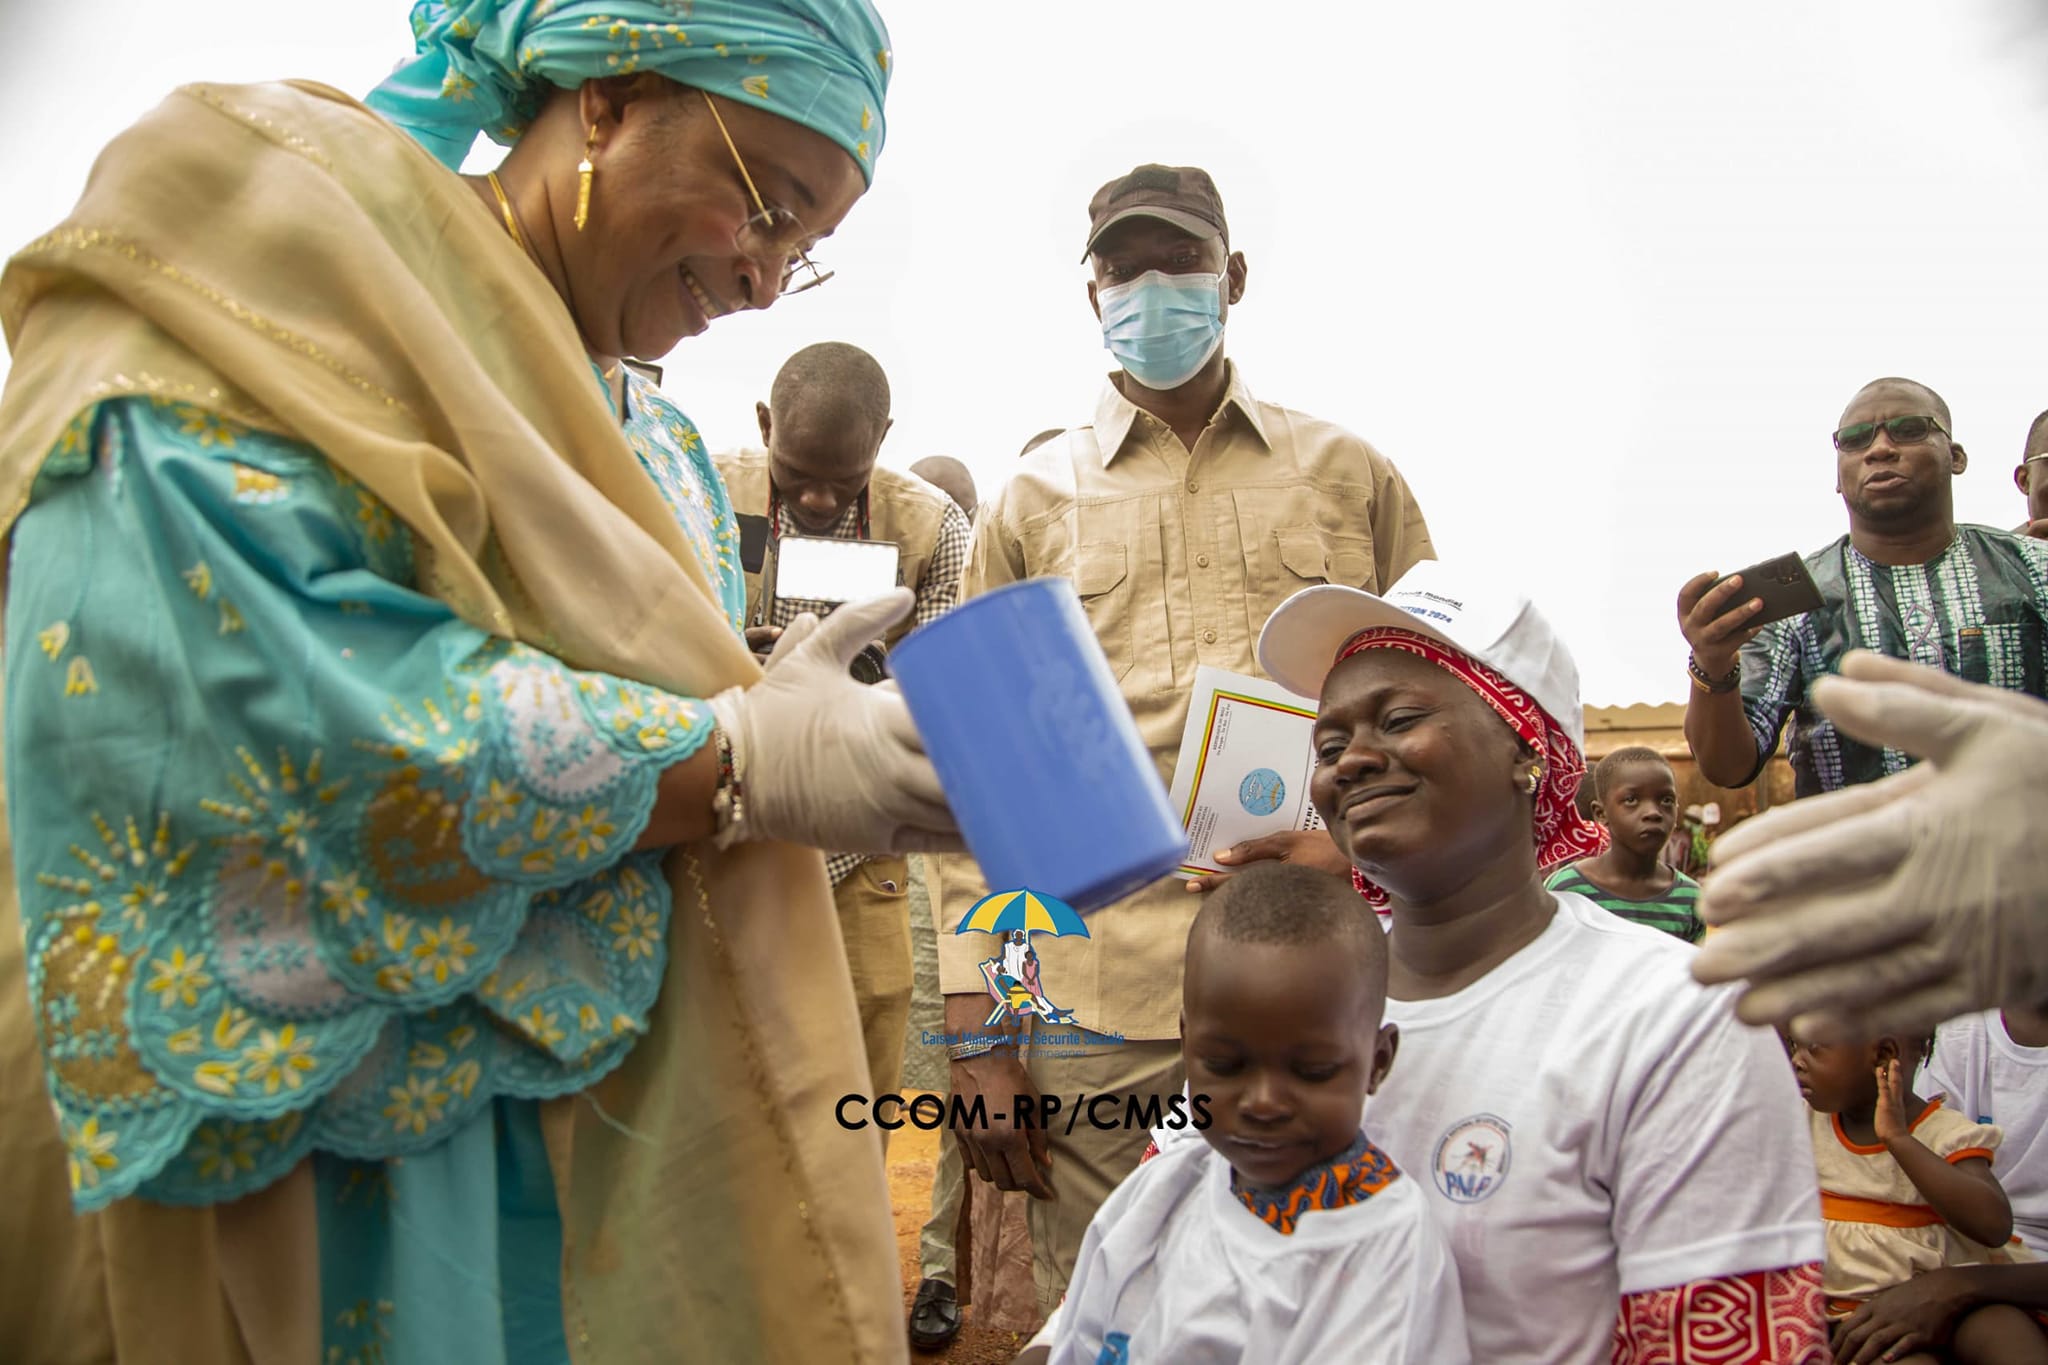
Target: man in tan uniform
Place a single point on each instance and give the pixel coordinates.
(822, 429)
(1184, 513)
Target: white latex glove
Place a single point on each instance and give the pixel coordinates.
(825, 761)
(1891, 907)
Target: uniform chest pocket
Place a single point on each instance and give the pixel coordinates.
(1291, 558)
(1313, 557)
(1102, 579)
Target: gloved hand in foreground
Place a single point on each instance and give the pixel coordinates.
(825, 761)
(1890, 907)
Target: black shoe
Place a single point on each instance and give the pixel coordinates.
(934, 1316)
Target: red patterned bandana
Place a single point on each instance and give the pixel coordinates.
(1559, 831)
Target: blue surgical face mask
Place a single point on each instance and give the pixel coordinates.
(1162, 328)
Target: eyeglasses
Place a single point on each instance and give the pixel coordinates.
(772, 234)
(1904, 431)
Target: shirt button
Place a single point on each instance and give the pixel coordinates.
(1201, 561)
(1194, 487)
(1208, 637)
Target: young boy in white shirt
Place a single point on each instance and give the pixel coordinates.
(1993, 1068)
(1286, 1235)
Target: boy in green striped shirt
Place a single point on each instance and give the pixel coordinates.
(1635, 795)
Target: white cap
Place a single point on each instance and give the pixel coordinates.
(1500, 628)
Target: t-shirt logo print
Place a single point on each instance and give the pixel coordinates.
(1472, 1157)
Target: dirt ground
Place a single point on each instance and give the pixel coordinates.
(912, 1155)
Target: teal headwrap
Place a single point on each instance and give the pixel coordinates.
(484, 66)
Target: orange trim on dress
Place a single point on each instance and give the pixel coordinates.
(1878, 1149)
(1842, 1208)
(1978, 1153)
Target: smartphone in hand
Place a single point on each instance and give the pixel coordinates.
(1783, 584)
(818, 569)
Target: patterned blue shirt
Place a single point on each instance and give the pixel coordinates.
(1978, 610)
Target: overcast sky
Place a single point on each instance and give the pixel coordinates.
(1598, 277)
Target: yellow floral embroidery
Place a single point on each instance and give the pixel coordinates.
(588, 833)
(78, 678)
(867, 118)
(91, 1152)
(231, 622)
(427, 1057)
(375, 517)
(179, 977)
(232, 1026)
(416, 1104)
(461, 1037)
(54, 637)
(280, 1059)
(862, 148)
(76, 432)
(199, 578)
(757, 86)
(464, 1078)
(588, 1019)
(458, 87)
(219, 1078)
(345, 897)
(638, 931)
(882, 59)
(210, 428)
(394, 979)
(541, 1026)
(444, 950)
(184, 1042)
(225, 1150)
(500, 804)
(258, 485)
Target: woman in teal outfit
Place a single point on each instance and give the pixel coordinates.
(374, 686)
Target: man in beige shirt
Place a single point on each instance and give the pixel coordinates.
(1184, 514)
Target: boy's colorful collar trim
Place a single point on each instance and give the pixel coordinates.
(1355, 1175)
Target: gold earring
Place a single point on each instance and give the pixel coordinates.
(1535, 780)
(584, 171)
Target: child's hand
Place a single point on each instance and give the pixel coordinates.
(1890, 1119)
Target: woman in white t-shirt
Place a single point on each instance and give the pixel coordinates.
(1622, 1169)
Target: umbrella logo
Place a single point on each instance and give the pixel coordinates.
(1012, 975)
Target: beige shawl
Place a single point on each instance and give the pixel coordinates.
(280, 255)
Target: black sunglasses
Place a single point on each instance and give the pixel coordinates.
(1904, 431)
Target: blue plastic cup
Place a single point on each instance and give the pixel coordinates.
(1037, 751)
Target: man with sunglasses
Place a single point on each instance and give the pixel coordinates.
(2031, 477)
(1906, 581)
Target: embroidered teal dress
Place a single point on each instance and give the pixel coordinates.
(310, 867)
